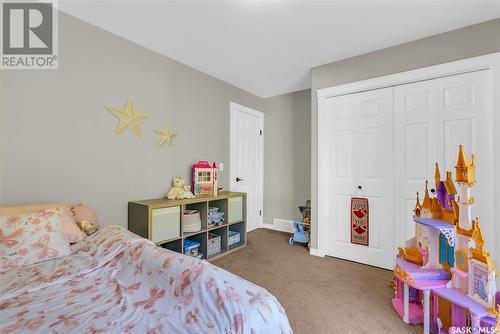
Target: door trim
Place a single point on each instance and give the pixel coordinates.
(233, 109)
(486, 62)
(489, 62)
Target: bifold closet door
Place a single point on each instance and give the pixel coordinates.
(356, 159)
(431, 119)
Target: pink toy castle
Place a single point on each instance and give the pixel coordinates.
(443, 276)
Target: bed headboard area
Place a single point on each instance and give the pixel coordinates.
(6, 210)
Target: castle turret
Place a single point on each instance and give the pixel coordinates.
(437, 176)
(418, 208)
(426, 204)
(471, 171)
(465, 178)
(436, 209)
(461, 167)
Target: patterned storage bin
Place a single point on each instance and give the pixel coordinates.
(234, 238)
(214, 244)
(215, 217)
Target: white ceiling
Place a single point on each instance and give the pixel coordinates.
(269, 47)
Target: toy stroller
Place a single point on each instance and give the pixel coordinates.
(301, 229)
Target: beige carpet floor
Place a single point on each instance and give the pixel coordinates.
(320, 295)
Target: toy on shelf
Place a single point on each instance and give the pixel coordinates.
(178, 189)
(445, 265)
(215, 217)
(204, 179)
(191, 248)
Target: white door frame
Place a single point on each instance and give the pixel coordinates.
(490, 62)
(235, 108)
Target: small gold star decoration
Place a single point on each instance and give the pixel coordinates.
(166, 136)
(128, 118)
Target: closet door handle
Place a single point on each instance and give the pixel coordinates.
(360, 187)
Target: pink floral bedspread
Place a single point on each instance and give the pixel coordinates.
(117, 282)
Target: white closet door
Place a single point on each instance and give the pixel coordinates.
(356, 150)
(431, 119)
(415, 151)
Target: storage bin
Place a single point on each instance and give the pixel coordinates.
(165, 223)
(214, 244)
(216, 216)
(216, 223)
(234, 238)
(235, 209)
(191, 221)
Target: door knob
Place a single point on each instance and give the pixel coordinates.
(238, 179)
(360, 187)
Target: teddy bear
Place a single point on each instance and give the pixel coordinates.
(187, 193)
(178, 190)
(86, 218)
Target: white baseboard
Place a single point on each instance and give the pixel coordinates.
(316, 252)
(281, 225)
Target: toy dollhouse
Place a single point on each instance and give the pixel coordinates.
(444, 278)
(204, 179)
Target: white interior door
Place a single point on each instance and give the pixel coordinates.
(432, 118)
(356, 159)
(247, 160)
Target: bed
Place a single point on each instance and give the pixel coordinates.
(117, 282)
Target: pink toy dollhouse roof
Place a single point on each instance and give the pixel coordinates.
(434, 223)
(202, 164)
(457, 297)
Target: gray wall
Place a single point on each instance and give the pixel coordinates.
(59, 143)
(458, 44)
(287, 168)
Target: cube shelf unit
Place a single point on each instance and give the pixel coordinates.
(160, 220)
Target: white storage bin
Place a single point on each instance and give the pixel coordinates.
(233, 238)
(235, 209)
(165, 223)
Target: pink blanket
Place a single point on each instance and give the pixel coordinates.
(117, 282)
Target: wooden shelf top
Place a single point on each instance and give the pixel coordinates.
(163, 202)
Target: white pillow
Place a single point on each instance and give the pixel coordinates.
(31, 238)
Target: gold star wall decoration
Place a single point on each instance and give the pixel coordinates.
(166, 136)
(128, 118)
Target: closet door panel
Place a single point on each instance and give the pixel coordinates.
(374, 143)
(337, 160)
(415, 150)
(358, 131)
(342, 206)
(431, 119)
(374, 153)
(464, 117)
(343, 145)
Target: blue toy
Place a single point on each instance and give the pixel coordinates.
(299, 235)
